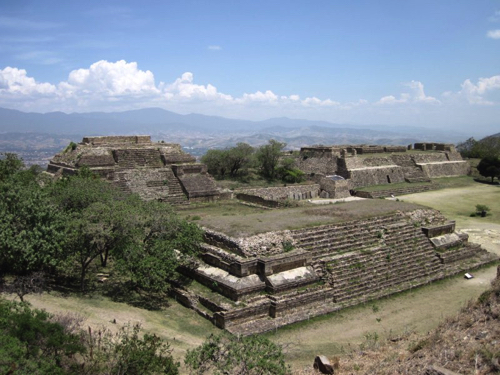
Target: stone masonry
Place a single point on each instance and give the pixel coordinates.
(278, 278)
(134, 164)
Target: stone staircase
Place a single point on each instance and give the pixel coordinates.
(154, 183)
(176, 195)
(334, 239)
(133, 158)
(397, 191)
(406, 256)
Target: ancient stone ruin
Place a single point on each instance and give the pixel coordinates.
(426, 161)
(272, 279)
(136, 165)
(337, 172)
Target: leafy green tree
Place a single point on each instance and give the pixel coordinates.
(216, 161)
(161, 243)
(239, 158)
(232, 355)
(75, 193)
(486, 147)
(288, 172)
(9, 165)
(489, 167)
(125, 352)
(31, 226)
(268, 157)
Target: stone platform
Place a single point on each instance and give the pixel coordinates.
(317, 270)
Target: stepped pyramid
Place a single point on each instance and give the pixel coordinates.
(134, 164)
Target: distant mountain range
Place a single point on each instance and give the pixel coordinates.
(198, 132)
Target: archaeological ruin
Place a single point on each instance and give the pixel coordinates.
(252, 283)
(280, 263)
(160, 171)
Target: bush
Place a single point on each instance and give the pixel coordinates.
(234, 355)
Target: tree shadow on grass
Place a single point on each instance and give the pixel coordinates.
(127, 292)
(487, 182)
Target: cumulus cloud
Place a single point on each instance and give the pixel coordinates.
(493, 34)
(416, 95)
(214, 48)
(111, 79)
(184, 88)
(121, 85)
(16, 82)
(474, 93)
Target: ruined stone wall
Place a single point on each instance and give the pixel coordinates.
(376, 176)
(293, 192)
(132, 139)
(446, 169)
(334, 189)
(430, 157)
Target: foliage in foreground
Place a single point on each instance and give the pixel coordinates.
(224, 354)
(35, 342)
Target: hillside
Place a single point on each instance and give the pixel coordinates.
(468, 343)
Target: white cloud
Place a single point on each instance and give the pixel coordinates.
(121, 85)
(108, 79)
(184, 88)
(214, 48)
(416, 95)
(16, 82)
(267, 97)
(474, 93)
(493, 34)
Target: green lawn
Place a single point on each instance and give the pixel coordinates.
(458, 203)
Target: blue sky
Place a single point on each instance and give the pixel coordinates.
(427, 63)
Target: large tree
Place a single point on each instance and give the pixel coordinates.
(268, 157)
(489, 167)
(161, 243)
(31, 226)
(239, 158)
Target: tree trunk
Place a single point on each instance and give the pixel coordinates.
(82, 278)
(104, 258)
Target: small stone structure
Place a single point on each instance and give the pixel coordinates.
(136, 165)
(277, 278)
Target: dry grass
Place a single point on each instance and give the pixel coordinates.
(342, 333)
(467, 343)
(239, 220)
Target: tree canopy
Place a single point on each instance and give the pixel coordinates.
(489, 167)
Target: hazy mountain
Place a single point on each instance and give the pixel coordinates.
(197, 132)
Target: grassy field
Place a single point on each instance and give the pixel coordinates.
(237, 220)
(458, 203)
